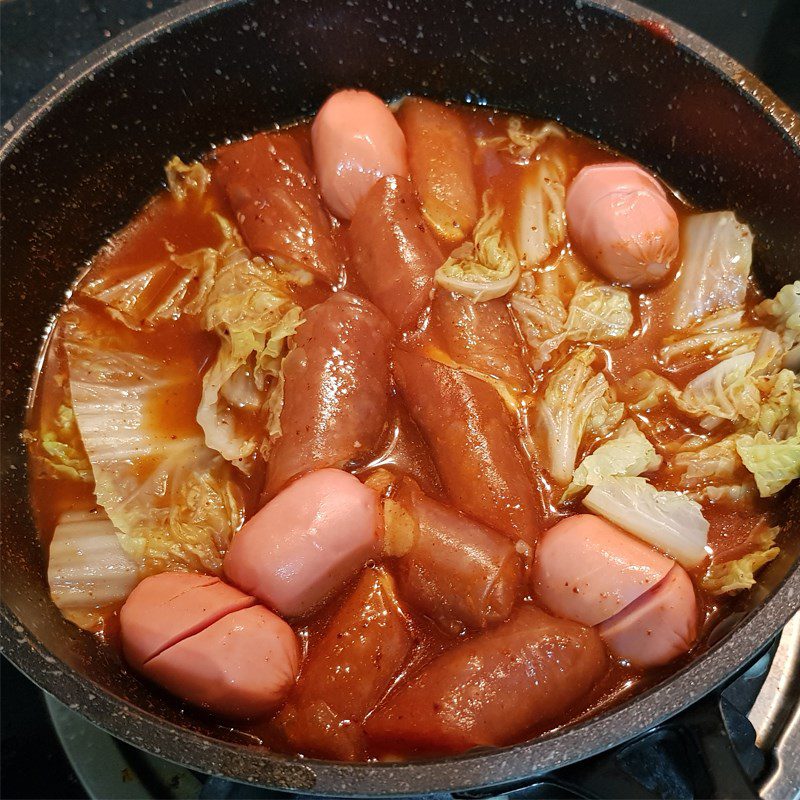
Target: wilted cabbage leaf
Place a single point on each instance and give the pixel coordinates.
(739, 574)
(171, 498)
(183, 179)
(599, 313)
(715, 257)
(720, 334)
(160, 292)
(669, 521)
(731, 389)
(718, 462)
(595, 313)
(779, 411)
(715, 473)
(576, 399)
(542, 319)
(541, 221)
(522, 143)
(628, 452)
(783, 313)
(647, 389)
(253, 316)
(88, 570)
(774, 463)
(63, 453)
(730, 494)
(485, 268)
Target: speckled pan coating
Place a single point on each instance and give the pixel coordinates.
(87, 152)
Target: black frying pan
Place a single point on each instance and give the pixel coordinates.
(82, 157)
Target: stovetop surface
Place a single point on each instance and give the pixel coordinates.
(41, 38)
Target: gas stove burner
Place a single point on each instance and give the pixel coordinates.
(749, 732)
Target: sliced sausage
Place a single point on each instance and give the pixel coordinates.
(309, 540)
(480, 336)
(274, 197)
(336, 392)
(440, 159)
(457, 571)
(473, 444)
(348, 671)
(393, 251)
(356, 141)
(168, 607)
(620, 220)
(491, 689)
(658, 627)
(241, 666)
(587, 570)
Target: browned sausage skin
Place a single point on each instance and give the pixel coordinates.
(440, 157)
(393, 252)
(348, 671)
(457, 571)
(472, 442)
(274, 196)
(480, 336)
(491, 689)
(337, 390)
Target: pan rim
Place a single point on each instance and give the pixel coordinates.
(255, 765)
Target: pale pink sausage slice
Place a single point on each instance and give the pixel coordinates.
(393, 252)
(658, 627)
(356, 141)
(619, 219)
(241, 666)
(168, 607)
(587, 570)
(306, 542)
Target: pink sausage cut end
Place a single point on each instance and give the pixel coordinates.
(306, 542)
(659, 626)
(587, 570)
(168, 607)
(241, 666)
(620, 220)
(356, 141)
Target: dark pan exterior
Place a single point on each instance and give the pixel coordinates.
(83, 156)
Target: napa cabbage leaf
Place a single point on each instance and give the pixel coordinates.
(669, 521)
(577, 399)
(485, 268)
(185, 179)
(720, 334)
(595, 313)
(775, 463)
(171, 498)
(716, 254)
(738, 574)
(783, 314)
(88, 571)
(523, 142)
(61, 449)
(251, 312)
(541, 220)
(158, 293)
(628, 452)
